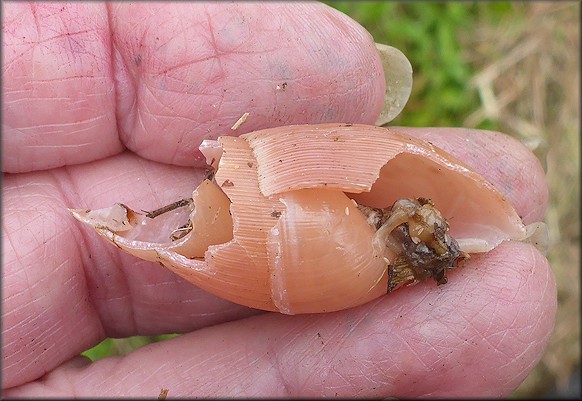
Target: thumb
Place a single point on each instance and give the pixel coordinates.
(192, 69)
(161, 77)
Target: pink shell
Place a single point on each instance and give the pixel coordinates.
(281, 230)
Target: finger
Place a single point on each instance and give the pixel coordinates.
(165, 76)
(478, 336)
(122, 295)
(211, 63)
(59, 92)
(63, 282)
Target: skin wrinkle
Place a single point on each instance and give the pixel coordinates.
(410, 351)
(145, 110)
(120, 70)
(273, 370)
(8, 64)
(532, 326)
(216, 359)
(282, 358)
(189, 63)
(235, 376)
(145, 176)
(490, 338)
(165, 43)
(5, 299)
(160, 302)
(142, 92)
(61, 183)
(362, 372)
(69, 193)
(332, 350)
(67, 124)
(31, 232)
(328, 374)
(41, 312)
(37, 98)
(535, 255)
(368, 384)
(102, 184)
(280, 373)
(33, 9)
(78, 146)
(65, 385)
(121, 376)
(332, 353)
(147, 377)
(473, 327)
(185, 368)
(314, 367)
(423, 355)
(342, 377)
(439, 355)
(43, 343)
(325, 97)
(146, 86)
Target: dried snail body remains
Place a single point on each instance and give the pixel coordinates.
(318, 218)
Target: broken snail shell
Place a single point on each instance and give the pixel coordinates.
(318, 218)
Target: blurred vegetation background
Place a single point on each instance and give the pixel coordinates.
(506, 66)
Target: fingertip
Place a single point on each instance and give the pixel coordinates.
(477, 336)
(189, 81)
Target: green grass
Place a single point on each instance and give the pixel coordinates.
(122, 346)
(428, 34)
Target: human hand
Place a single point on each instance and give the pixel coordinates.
(83, 82)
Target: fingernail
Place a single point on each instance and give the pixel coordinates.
(398, 76)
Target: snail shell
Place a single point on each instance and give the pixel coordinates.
(281, 228)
